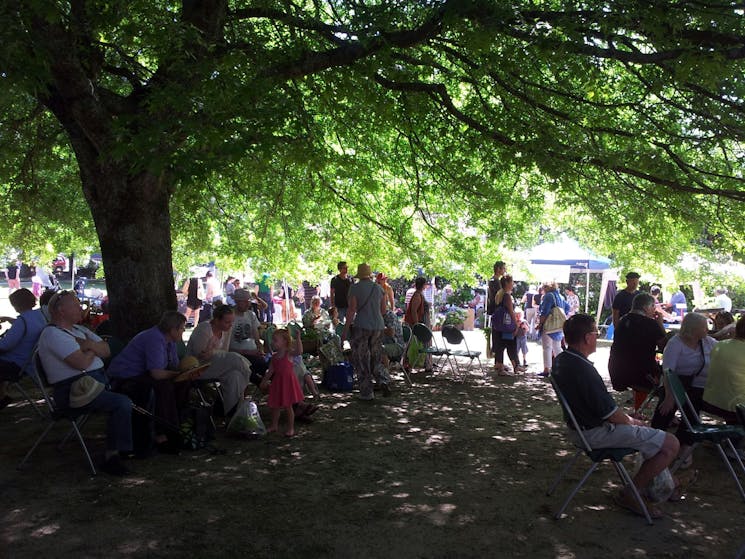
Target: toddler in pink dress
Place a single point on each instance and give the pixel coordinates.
(284, 390)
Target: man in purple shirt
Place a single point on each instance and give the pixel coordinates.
(147, 367)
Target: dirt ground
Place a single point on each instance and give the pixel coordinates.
(439, 469)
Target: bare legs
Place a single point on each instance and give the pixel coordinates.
(274, 426)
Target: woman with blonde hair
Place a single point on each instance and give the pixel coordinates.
(688, 355)
(550, 342)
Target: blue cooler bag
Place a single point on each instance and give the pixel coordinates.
(339, 377)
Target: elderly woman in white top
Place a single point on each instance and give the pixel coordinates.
(210, 341)
(316, 317)
(688, 355)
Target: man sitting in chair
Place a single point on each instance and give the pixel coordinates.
(69, 351)
(604, 425)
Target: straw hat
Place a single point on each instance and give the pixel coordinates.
(241, 295)
(364, 271)
(84, 390)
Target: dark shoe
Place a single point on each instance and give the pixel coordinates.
(5, 401)
(385, 389)
(169, 447)
(114, 466)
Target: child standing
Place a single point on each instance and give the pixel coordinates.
(521, 335)
(284, 390)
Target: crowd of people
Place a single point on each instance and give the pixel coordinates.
(709, 362)
(362, 310)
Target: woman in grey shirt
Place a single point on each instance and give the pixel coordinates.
(365, 312)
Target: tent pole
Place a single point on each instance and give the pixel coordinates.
(587, 291)
(603, 290)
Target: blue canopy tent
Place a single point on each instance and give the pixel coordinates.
(565, 257)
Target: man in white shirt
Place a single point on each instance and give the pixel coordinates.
(723, 301)
(69, 351)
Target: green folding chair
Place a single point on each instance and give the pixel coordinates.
(596, 456)
(718, 435)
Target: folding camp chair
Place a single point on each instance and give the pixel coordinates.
(53, 415)
(401, 361)
(406, 329)
(596, 456)
(451, 335)
(429, 345)
(715, 434)
(23, 372)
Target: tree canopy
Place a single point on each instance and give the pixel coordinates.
(297, 133)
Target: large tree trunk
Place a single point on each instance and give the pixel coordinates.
(134, 229)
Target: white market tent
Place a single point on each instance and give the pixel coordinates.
(555, 261)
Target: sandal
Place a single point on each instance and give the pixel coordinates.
(628, 502)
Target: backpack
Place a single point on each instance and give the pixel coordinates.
(502, 320)
(196, 427)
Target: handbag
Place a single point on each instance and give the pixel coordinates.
(556, 318)
(502, 320)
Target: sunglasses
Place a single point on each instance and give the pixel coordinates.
(57, 299)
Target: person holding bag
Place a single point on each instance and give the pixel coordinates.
(504, 325)
(366, 310)
(553, 305)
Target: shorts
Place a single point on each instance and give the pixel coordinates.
(522, 344)
(646, 440)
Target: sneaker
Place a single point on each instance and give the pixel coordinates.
(115, 467)
(543, 374)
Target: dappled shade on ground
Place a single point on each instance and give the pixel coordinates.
(440, 469)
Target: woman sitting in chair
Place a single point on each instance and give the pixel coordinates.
(688, 355)
(725, 385)
(148, 365)
(316, 317)
(17, 343)
(210, 341)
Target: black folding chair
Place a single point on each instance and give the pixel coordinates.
(429, 345)
(454, 337)
(596, 456)
(715, 434)
(54, 415)
(406, 329)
